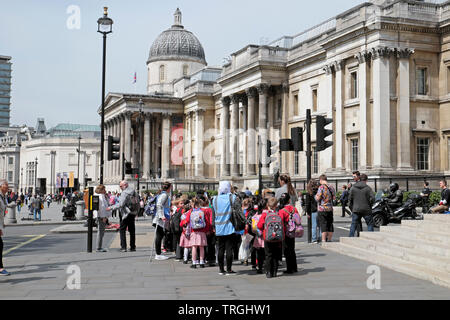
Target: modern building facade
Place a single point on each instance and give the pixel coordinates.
(380, 70)
(5, 90)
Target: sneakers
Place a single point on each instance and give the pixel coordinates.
(123, 250)
(221, 273)
(102, 250)
(4, 273)
(161, 257)
(202, 266)
(185, 262)
(194, 266)
(230, 273)
(133, 250)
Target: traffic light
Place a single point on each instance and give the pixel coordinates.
(297, 139)
(128, 169)
(113, 148)
(272, 149)
(286, 145)
(322, 133)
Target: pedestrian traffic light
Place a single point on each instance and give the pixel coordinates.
(297, 139)
(113, 148)
(322, 133)
(128, 169)
(272, 149)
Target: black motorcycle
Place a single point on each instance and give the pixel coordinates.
(383, 214)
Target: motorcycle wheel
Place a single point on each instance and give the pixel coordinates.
(378, 221)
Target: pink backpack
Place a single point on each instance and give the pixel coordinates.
(294, 227)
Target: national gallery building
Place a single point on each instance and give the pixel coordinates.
(380, 70)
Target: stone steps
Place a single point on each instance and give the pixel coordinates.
(411, 269)
(418, 248)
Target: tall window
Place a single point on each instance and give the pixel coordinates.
(10, 160)
(10, 176)
(448, 79)
(162, 73)
(448, 151)
(354, 85)
(354, 143)
(185, 70)
(315, 160)
(422, 81)
(296, 105)
(423, 153)
(279, 110)
(296, 164)
(314, 100)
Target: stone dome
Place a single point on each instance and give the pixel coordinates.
(177, 43)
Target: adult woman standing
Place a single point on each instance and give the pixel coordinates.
(102, 216)
(3, 194)
(286, 187)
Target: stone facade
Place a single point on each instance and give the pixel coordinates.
(381, 70)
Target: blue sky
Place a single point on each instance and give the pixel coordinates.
(57, 71)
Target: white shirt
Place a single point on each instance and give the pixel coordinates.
(103, 204)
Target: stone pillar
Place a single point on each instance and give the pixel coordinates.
(224, 160)
(147, 150)
(381, 109)
(263, 91)
(11, 216)
(251, 132)
(122, 144)
(285, 125)
(127, 133)
(403, 113)
(107, 164)
(339, 116)
(188, 145)
(244, 103)
(234, 135)
(199, 143)
(165, 157)
(362, 94)
(115, 162)
(80, 209)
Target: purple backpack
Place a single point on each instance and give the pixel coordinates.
(294, 228)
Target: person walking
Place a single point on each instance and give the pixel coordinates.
(102, 216)
(445, 199)
(129, 207)
(361, 200)
(162, 218)
(3, 205)
(49, 200)
(223, 206)
(344, 199)
(312, 188)
(325, 197)
(37, 207)
(286, 187)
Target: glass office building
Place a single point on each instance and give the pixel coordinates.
(5, 90)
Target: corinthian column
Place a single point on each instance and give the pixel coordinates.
(285, 125)
(224, 160)
(147, 149)
(381, 108)
(362, 94)
(127, 134)
(199, 143)
(251, 132)
(234, 135)
(403, 113)
(165, 156)
(263, 91)
(339, 116)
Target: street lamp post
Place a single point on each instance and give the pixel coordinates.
(104, 27)
(141, 107)
(79, 151)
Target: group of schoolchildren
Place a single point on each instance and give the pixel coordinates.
(202, 227)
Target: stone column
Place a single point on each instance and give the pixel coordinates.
(147, 149)
(115, 162)
(165, 145)
(263, 91)
(187, 145)
(285, 125)
(234, 135)
(200, 113)
(122, 144)
(127, 134)
(381, 109)
(403, 113)
(339, 116)
(362, 94)
(251, 132)
(224, 160)
(244, 103)
(107, 164)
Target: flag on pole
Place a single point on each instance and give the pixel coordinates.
(134, 81)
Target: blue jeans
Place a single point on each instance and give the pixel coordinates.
(316, 232)
(356, 219)
(19, 207)
(37, 212)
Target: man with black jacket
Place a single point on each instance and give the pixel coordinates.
(445, 202)
(361, 200)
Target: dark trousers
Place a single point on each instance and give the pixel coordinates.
(158, 239)
(236, 245)
(260, 256)
(289, 253)
(343, 210)
(178, 250)
(168, 241)
(226, 244)
(128, 222)
(273, 254)
(1, 253)
(211, 248)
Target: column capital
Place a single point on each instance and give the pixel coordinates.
(243, 99)
(166, 115)
(338, 65)
(362, 57)
(226, 101)
(200, 111)
(263, 89)
(328, 69)
(127, 115)
(380, 52)
(404, 53)
(251, 92)
(235, 98)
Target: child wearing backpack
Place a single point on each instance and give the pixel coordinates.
(294, 230)
(210, 235)
(197, 220)
(258, 242)
(273, 224)
(186, 232)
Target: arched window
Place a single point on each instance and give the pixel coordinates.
(162, 73)
(185, 70)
